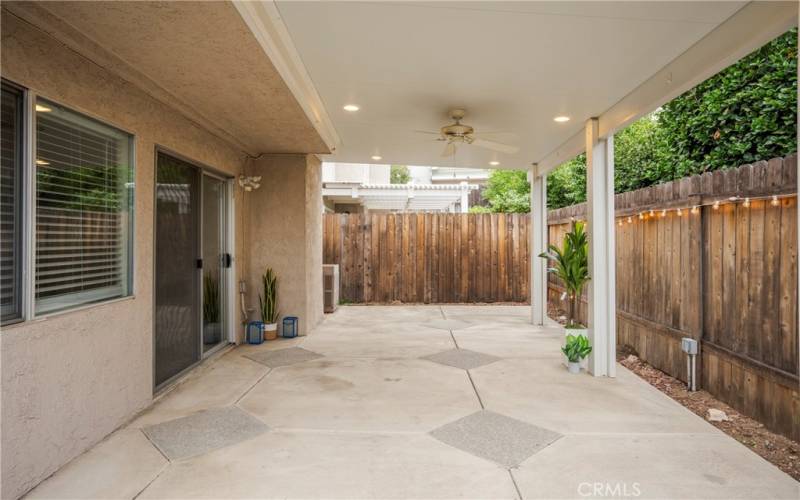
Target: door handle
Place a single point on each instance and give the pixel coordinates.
(199, 263)
(228, 260)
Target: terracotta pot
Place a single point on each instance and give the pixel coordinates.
(270, 331)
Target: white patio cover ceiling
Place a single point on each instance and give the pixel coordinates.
(513, 66)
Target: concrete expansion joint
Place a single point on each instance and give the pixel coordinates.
(246, 392)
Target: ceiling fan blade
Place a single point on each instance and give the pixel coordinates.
(495, 146)
(449, 150)
(428, 132)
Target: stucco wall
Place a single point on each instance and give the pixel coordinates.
(285, 233)
(70, 379)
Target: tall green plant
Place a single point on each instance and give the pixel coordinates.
(210, 299)
(570, 263)
(268, 299)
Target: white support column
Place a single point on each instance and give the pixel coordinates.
(538, 245)
(464, 197)
(600, 231)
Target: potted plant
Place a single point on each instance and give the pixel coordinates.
(576, 348)
(268, 301)
(211, 315)
(570, 264)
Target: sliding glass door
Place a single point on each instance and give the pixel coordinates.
(191, 265)
(214, 261)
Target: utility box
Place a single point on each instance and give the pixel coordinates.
(330, 286)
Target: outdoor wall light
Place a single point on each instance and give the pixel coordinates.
(561, 119)
(249, 183)
(351, 108)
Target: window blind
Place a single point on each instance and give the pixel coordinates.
(11, 113)
(83, 216)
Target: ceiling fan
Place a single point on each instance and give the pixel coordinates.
(460, 133)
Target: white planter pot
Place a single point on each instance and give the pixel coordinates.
(269, 331)
(574, 367)
(584, 363)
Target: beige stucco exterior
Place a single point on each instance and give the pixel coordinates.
(70, 379)
(285, 221)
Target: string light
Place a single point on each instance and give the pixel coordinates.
(695, 209)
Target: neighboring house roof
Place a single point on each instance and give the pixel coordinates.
(409, 197)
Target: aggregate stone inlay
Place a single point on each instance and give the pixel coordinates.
(462, 358)
(204, 431)
(283, 357)
(503, 440)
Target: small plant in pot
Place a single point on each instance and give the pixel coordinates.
(570, 264)
(268, 300)
(211, 312)
(576, 348)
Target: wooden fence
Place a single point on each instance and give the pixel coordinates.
(429, 258)
(726, 276)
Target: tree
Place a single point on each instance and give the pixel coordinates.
(399, 174)
(745, 113)
(508, 191)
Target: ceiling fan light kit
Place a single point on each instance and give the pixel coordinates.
(461, 133)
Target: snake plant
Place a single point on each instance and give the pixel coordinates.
(210, 299)
(269, 299)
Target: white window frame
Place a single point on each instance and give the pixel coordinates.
(28, 207)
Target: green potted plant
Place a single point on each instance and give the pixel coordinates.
(268, 300)
(576, 348)
(570, 264)
(212, 327)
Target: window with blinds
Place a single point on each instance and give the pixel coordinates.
(84, 194)
(11, 131)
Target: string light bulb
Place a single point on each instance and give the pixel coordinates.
(664, 213)
(652, 213)
(619, 222)
(680, 212)
(630, 219)
(641, 216)
(746, 203)
(775, 201)
(716, 205)
(695, 209)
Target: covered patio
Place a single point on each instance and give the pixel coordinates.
(415, 402)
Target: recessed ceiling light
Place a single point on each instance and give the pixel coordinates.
(351, 108)
(376, 157)
(43, 109)
(561, 119)
(494, 163)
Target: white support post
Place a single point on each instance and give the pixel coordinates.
(538, 245)
(600, 231)
(464, 197)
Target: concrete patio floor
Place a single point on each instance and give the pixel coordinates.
(364, 408)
